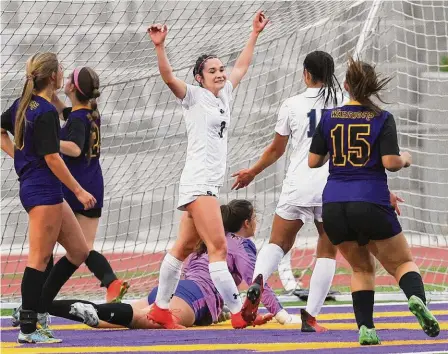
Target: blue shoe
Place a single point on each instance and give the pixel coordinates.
(43, 323)
(37, 337)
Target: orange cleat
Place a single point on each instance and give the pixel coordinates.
(250, 307)
(262, 319)
(163, 317)
(116, 291)
(237, 320)
(309, 323)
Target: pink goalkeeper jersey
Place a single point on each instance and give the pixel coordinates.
(241, 256)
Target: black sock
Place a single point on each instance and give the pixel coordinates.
(101, 268)
(363, 307)
(119, 314)
(61, 308)
(61, 272)
(32, 283)
(412, 284)
(49, 267)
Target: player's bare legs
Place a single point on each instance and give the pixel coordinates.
(206, 213)
(170, 272)
(283, 236)
(362, 287)
(395, 256)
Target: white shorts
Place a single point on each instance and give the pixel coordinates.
(292, 212)
(189, 193)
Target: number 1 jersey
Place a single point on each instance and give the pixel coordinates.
(298, 118)
(356, 138)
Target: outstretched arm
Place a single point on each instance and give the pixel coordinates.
(272, 153)
(158, 33)
(245, 58)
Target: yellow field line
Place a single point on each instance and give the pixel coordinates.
(269, 326)
(257, 347)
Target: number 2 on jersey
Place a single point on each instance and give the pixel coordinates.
(355, 149)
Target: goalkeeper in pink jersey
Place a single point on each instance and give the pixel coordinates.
(196, 300)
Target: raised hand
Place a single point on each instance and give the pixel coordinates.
(260, 21)
(157, 33)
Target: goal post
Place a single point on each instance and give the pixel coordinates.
(143, 136)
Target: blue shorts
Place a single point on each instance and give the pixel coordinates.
(33, 194)
(188, 291)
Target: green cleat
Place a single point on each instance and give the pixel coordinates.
(427, 321)
(37, 337)
(368, 336)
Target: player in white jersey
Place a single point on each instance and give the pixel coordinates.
(301, 197)
(206, 110)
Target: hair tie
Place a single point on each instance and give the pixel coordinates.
(75, 79)
(30, 77)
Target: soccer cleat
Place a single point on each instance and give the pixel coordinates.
(116, 291)
(309, 323)
(37, 337)
(368, 336)
(85, 311)
(426, 319)
(250, 307)
(15, 321)
(262, 319)
(163, 317)
(237, 321)
(43, 321)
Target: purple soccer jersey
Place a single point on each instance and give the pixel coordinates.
(354, 137)
(241, 257)
(88, 173)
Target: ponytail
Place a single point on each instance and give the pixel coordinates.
(19, 126)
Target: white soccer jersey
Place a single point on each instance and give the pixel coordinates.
(207, 120)
(298, 117)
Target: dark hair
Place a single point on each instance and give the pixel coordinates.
(39, 69)
(198, 68)
(234, 215)
(320, 65)
(89, 84)
(364, 82)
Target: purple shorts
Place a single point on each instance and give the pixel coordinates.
(190, 292)
(33, 193)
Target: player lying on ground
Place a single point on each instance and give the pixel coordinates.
(361, 141)
(301, 197)
(34, 122)
(196, 300)
(206, 111)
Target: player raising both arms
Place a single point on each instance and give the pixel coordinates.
(361, 141)
(34, 122)
(206, 110)
(196, 300)
(81, 147)
(301, 197)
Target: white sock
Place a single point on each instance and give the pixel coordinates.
(320, 283)
(169, 276)
(224, 283)
(285, 273)
(268, 260)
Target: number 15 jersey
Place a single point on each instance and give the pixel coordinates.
(356, 138)
(298, 118)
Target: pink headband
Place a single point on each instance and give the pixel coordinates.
(75, 79)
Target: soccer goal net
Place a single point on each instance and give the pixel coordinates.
(143, 136)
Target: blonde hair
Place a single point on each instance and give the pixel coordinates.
(39, 69)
